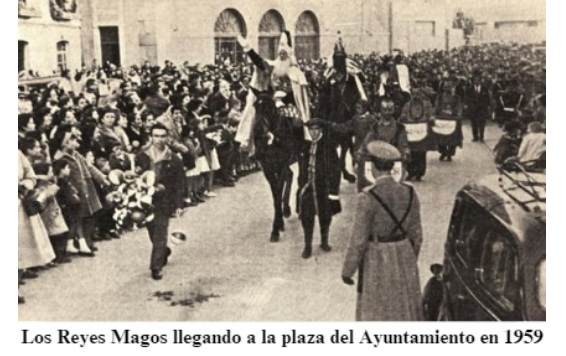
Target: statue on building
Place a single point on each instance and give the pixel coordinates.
(26, 11)
(63, 10)
(465, 23)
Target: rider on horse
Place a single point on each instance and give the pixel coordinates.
(282, 75)
(342, 90)
(271, 125)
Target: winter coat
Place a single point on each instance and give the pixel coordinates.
(389, 285)
(34, 247)
(83, 175)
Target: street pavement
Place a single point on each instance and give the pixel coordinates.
(228, 270)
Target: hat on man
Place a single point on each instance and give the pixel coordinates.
(315, 122)
(383, 151)
(285, 43)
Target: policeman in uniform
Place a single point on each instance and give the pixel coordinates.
(317, 193)
(385, 243)
(387, 130)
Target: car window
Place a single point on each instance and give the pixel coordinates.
(541, 284)
(471, 235)
(498, 270)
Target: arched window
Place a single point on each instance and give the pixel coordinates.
(62, 47)
(228, 26)
(307, 37)
(22, 55)
(270, 28)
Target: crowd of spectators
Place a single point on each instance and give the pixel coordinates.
(74, 131)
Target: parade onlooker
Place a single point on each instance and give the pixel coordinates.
(136, 132)
(82, 177)
(51, 214)
(69, 202)
(25, 125)
(479, 107)
(508, 144)
(533, 145)
(108, 131)
(34, 247)
(193, 182)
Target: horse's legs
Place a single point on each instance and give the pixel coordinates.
(273, 178)
(279, 222)
(345, 146)
(288, 182)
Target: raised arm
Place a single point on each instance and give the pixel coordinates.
(256, 59)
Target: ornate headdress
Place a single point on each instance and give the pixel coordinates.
(285, 43)
(339, 47)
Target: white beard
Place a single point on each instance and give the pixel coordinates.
(281, 68)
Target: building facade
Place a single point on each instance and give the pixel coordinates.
(58, 34)
(49, 36)
(132, 31)
(522, 21)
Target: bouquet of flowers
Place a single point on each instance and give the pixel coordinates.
(132, 198)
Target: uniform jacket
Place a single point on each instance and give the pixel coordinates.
(393, 133)
(389, 285)
(359, 126)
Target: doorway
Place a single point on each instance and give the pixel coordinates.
(110, 45)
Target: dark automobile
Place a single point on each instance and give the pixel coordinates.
(495, 253)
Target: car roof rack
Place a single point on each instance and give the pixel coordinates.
(524, 186)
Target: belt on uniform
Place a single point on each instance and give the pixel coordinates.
(387, 239)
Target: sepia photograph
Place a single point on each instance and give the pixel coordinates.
(281, 161)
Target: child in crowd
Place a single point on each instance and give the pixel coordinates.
(113, 157)
(52, 217)
(432, 296)
(190, 162)
(208, 162)
(69, 202)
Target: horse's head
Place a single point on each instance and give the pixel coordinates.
(264, 103)
(265, 111)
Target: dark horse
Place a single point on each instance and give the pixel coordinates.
(276, 140)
